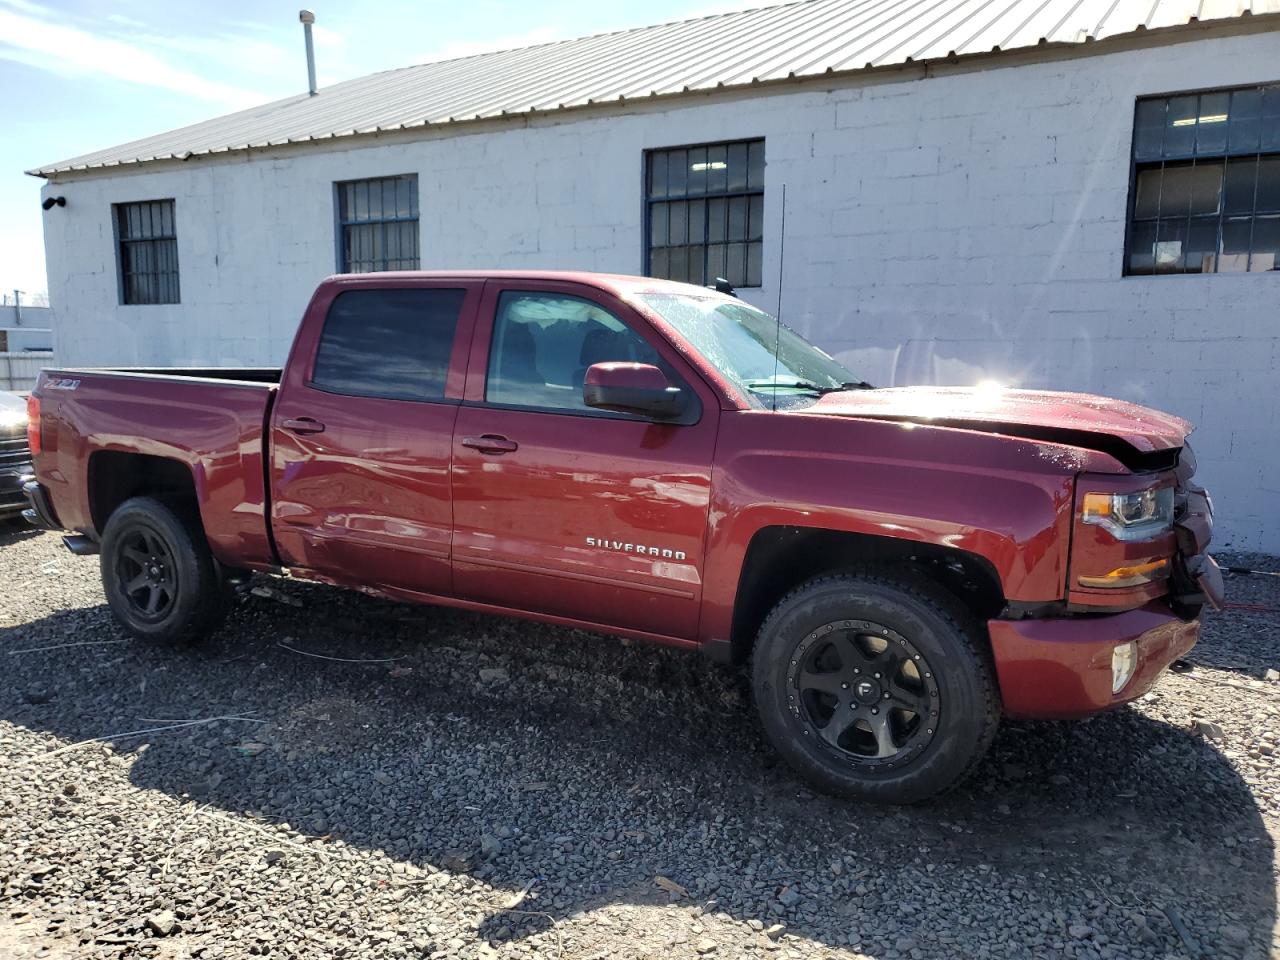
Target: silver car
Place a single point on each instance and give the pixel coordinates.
(15, 455)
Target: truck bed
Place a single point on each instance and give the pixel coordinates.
(213, 420)
(234, 374)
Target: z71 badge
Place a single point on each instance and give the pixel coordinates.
(638, 548)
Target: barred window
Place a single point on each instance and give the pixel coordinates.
(147, 252)
(378, 224)
(706, 213)
(1206, 183)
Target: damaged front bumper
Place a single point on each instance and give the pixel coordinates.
(1090, 660)
(1196, 578)
(1063, 668)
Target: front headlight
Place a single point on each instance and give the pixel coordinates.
(1131, 516)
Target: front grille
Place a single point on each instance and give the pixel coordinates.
(14, 450)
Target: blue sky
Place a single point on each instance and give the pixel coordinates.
(79, 75)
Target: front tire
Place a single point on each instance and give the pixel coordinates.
(875, 687)
(161, 581)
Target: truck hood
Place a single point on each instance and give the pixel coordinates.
(1076, 419)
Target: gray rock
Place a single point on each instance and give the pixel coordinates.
(38, 693)
(1234, 933)
(162, 924)
(1210, 730)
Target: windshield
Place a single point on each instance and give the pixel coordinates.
(741, 342)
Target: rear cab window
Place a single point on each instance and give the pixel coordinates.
(392, 343)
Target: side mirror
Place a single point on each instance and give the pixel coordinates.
(632, 388)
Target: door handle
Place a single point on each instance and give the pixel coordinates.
(303, 425)
(490, 443)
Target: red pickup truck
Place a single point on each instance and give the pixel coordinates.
(659, 461)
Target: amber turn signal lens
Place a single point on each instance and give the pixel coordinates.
(1130, 516)
(1131, 576)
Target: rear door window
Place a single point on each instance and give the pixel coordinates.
(389, 343)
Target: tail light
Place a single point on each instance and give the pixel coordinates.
(33, 424)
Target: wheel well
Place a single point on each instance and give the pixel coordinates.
(779, 559)
(114, 477)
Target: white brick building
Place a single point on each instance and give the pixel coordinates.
(948, 218)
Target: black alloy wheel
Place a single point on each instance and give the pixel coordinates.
(865, 692)
(146, 574)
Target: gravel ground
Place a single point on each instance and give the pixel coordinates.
(497, 789)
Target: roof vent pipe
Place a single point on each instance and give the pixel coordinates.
(307, 18)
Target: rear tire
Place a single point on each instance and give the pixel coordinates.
(161, 580)
(875, 687)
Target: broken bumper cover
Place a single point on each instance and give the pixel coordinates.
(1196, 577)
(1057, 669)
(39, 512)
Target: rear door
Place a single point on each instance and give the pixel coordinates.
(362, 430)
(566, 510)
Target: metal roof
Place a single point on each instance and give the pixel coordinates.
(808, 38)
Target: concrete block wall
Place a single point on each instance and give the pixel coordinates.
(950, 229)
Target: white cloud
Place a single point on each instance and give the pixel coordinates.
(251, 54)
(39, 38)
(124, 21)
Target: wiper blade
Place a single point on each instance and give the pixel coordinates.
(806, 385)
(786, 385)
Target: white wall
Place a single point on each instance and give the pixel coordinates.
(948, 229)
(24, 338)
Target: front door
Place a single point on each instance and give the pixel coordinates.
(362, 431)
(567, 510)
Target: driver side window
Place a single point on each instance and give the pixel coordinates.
(543, 344)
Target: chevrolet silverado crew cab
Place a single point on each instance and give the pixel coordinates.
(659, 461)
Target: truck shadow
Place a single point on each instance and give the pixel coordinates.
(581, 769)
(16, 530)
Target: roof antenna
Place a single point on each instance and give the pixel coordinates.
(307, 18)
(777, 315)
